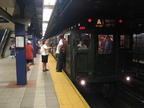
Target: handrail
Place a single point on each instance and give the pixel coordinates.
(3, 41)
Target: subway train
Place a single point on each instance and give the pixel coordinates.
(138, 55)
(108, 37)
(108, 51)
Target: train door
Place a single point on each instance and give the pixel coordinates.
(82, 54)
(68, 58)
(125, 52)
(105, 52)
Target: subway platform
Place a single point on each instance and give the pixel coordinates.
(49, 89)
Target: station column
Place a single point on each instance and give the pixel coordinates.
(34, 45)
(20, 54)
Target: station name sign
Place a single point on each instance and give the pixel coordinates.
(105, 23)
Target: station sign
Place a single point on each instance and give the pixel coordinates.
(3, 20)
(105, 23)
(19, 41)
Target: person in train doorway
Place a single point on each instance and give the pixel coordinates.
(29, 54)
(44, 55)
(81, 46)
(108, 45)
(59, 53)
(12, 49)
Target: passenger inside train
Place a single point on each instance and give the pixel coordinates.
(108, 45)
(81, 46)
(105, 44)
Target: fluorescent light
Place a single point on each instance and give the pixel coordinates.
(49, 2)
(44, 28)
(46, 14)
(43, 33)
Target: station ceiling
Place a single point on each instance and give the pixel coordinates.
(11, 12)
(68, 12)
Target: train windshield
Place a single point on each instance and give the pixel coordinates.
(105, 43)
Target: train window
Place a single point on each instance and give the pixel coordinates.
(105, 44)
(124, 41)
(138, 47)
(83, 41)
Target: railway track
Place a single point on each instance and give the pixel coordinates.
(124, 97)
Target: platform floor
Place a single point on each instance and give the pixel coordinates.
(44, 89)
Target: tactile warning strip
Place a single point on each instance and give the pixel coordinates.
(67, 95)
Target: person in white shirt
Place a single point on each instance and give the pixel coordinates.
(59, 52)
(81, 46)
(44, 53)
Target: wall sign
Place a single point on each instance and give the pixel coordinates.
(19, 42)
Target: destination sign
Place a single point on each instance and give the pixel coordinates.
(105, 23)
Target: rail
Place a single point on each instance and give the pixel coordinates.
(3, 42)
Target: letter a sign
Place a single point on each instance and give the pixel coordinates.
(99, 23)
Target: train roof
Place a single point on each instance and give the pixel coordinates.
(68, 12)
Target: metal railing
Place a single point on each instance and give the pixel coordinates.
(3, 42)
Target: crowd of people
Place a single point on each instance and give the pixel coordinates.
(105, 45)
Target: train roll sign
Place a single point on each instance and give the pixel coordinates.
(105, 23)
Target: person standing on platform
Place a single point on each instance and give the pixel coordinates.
(59, 53)
(12, 49)
(29, 54)
(38, 47)
(44, 53)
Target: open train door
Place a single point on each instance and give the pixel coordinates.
(125, 52)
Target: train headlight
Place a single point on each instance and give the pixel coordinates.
(83, 82)
(128, 78)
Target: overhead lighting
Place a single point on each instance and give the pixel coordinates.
(46, 14)
(44, 27)
(43, 33)
(49, 2)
